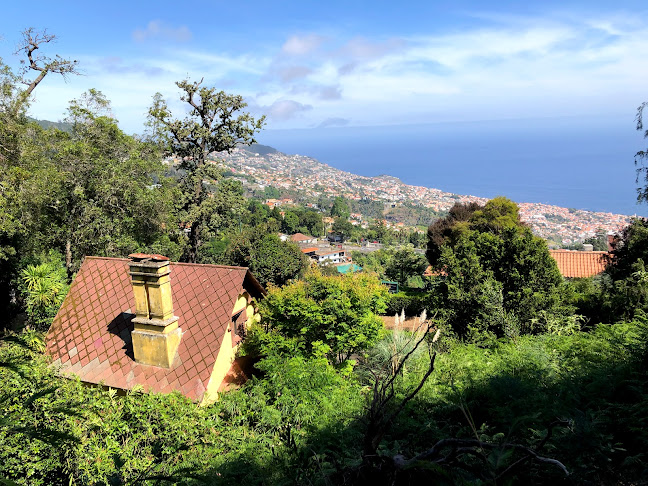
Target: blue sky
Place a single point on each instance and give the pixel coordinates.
(316, 64)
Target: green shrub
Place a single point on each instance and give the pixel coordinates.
(413, 303)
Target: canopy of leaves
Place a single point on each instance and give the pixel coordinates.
(340, 208)
(270, 260)
(338, 312)
(215, 123)
(497, 275)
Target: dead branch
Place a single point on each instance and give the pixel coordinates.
(31, 42)
(459, 447)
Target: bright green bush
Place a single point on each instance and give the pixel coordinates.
(338, 312)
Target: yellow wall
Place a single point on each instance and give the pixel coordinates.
(223, 363)
(227, 352)
(241, 302)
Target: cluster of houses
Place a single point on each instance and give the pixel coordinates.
(320, 256)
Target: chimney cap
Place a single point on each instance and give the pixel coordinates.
(147, 256)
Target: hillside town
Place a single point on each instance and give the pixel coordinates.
(259, 166)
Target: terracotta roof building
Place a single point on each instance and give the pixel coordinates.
(579, 264)
(146, 321)
(303, 239)
(572, 264)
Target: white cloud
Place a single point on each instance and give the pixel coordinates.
(156, 29)
(300, 45)
(505, 68)
(283, 110)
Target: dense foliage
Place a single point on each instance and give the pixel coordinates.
(215, 124)
(298, 422)
(498, 278)
(338, 313)
(271, 260)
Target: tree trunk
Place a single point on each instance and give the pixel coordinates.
(68, 257)
(194, 243)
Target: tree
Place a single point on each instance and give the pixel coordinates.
(257, 213)
(43, 65)
(270, 260)
(289, 223)
(443, 229)
(498, 276)
(343, 228)
(340, 208)
(405, 263)
(599, 241)
(214, 124)
(15, 137)
(339, 312)
(378, 230)
(20, 141)
(642, 156)
(101, 195)
(312, 222)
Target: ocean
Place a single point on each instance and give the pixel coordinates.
(577, 162)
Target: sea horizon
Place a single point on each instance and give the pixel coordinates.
(576, 162)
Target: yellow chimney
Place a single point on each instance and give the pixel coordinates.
(156, 334)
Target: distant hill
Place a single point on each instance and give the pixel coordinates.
(65, 127)
(260, 149)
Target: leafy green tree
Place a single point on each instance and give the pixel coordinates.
(257, 213)
(405, 263)
(374, 261)
(630, 247)
(623, 289)
(498, 275)
(271, 192)
(444, 229)
(19, 139)
(270, 260)
(101, 197)
(417, 238)
(599, 241)
(343, 228)
(340, 208)
(378, 230)
(289, 223)
(339, 312)
(214, 124)
(312, 223)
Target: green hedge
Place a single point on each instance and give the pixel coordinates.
(413, 303)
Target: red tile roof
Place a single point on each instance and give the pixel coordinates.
(91, 334)
(297, 237)
(572, 264)
(308, 250)
(579, 264)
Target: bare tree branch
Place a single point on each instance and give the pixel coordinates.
(31, 42)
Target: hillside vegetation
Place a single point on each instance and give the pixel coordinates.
(503, 373)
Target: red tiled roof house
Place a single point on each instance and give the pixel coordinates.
(301, 239)
(580, 264)
(149, 322)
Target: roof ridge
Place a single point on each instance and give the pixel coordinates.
(92, 257)
(578, 252)
(212, 265)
